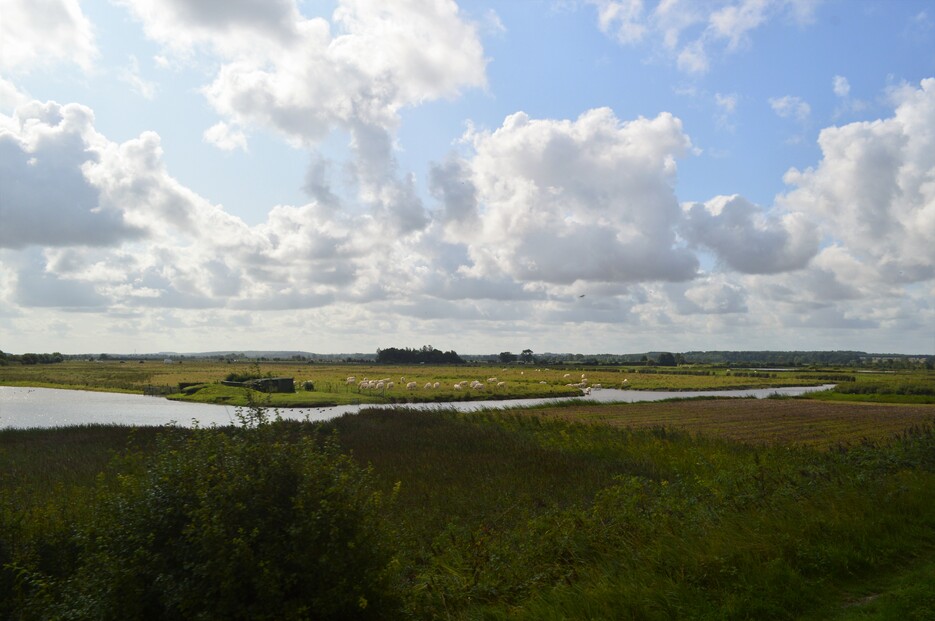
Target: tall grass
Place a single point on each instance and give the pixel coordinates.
(509, 515)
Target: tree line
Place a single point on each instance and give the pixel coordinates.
(31, 358)
(424, 355)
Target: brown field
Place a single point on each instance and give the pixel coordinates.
(758, 421)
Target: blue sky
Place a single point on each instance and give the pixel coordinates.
(587, 176)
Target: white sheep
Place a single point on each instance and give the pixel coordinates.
(390, 385)
(428, 386)
(437, 385)
(411, 386)
(491, 380)
(543, 382)
(501, 384)
(458, 386)
(567, 375)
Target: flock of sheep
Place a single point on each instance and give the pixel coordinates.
(492, 383)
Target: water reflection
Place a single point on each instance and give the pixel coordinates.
(22, 407)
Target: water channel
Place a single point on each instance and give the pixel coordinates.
(23, 407)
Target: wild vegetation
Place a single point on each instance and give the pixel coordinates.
(653, 511)
(336, 384)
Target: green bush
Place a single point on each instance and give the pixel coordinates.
(242, 524)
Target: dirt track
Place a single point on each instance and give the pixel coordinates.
(784, 421)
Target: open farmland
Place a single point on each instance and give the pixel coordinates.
(331, 383)
(756, 421)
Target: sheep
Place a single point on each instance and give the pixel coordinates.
(458, 386)
(380, 385)
(437, 385)
(428, 386)
(597, 387)
(389, 385)
(350, 380)
(491, 380)
(501, 384)
(543, 382)
(566, 375)
(411, 386)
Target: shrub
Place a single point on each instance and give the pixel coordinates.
(242, 524)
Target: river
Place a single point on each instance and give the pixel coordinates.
(23, 407)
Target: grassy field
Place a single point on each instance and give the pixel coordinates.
(713, 509)
(331, 385)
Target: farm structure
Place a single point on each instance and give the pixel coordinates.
(267, 384)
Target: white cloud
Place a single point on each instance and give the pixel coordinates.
(225, 137)
(37, 33)
(555, 201)
(716, 295)
(46, 198)
(131, 75)
(748, 240)
(305, 77)
(791, 107)
(694, 31)
(840, 85)
(727, 103)
(10, 97)
(622, 19)
(874, 191)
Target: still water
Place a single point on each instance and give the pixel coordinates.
(47, 407)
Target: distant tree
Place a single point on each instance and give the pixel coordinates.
(666, 360)
(507, 357)
(424, 355)
(526, 356)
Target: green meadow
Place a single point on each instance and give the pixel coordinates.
(714, 509)
(330, 384)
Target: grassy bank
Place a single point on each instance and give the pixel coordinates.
(694, 510)
(332, 384)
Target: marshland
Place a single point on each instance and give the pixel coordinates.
(783, 508)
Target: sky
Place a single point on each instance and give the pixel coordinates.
(590, 176)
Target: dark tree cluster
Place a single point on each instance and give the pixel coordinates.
(32, 358)
(424, 355)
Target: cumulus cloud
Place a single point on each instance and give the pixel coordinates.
(46, 198)
(790, 107)
(42, 32)
(225, 137)
(305, 77)
(692, 31)
(873, 189)
(113, 223)
(746, 239)
(623, 19)
(841, 86)
(556, 201)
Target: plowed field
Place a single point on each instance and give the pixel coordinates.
(761, 421)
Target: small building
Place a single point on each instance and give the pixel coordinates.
(273, 384)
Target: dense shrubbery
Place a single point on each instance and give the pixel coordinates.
(216, 524)
(499, 516)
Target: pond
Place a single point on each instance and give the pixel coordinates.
(24, 407)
